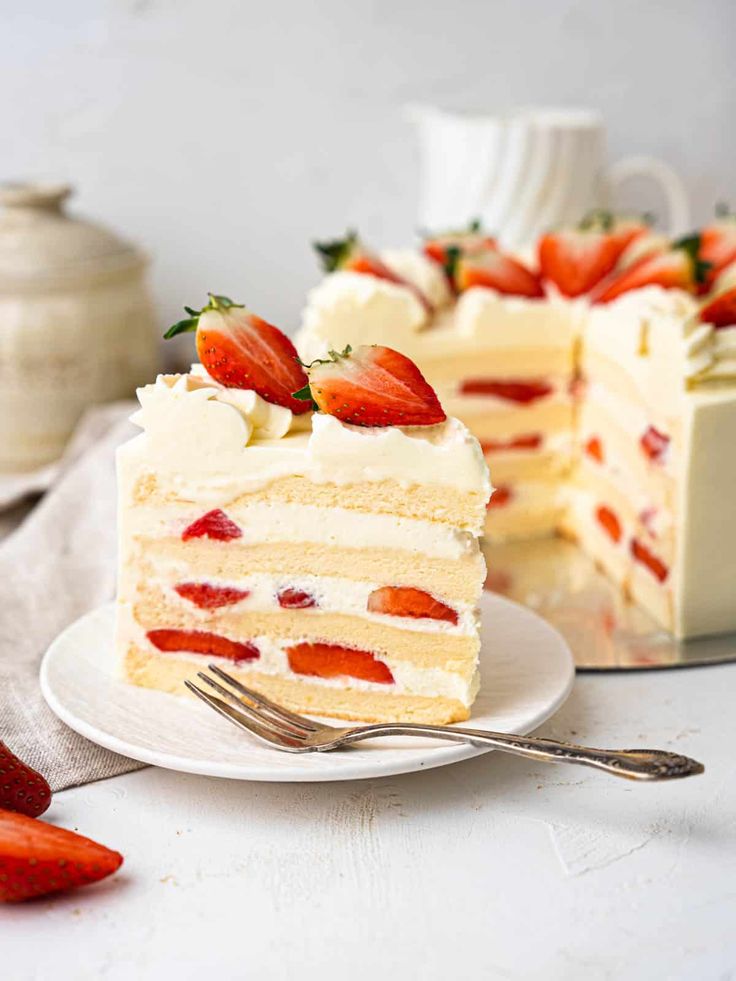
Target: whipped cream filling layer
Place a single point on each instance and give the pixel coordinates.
(334, 527)
(330, 595)
(273, 660)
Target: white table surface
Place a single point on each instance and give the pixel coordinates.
(490, 868)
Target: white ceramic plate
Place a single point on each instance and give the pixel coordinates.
(526, 668)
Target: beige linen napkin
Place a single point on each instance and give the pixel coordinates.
(57, 565)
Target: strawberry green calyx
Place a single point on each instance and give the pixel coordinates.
(603, 220)
(190, 323)
(333, 357)
(335, 253)
(690, 245)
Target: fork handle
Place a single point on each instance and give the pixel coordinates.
(633, 764)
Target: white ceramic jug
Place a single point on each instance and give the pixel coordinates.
(526, 172)
(76, 322)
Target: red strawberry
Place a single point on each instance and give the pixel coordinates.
(404, 601)
(642, 554)
(718, 244)
(527, 441)
(493, 269)
(349, 254)
(37, 858)
(21, 787)
(215, 524)
(510, 389)
(500, 497)
(721, 309)
(240, 350)
(679, 268)
(576, 260)
(654, 444)
(608, 520)
(334, 661)
(445, 248)
(594, 449)
(209, 597)
(623, 229)
(295, 599)
(202, 642)
(372, 386)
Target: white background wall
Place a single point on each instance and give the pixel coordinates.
(226, 134)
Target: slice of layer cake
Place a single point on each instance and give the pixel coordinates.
(329, 559)
(601, 388)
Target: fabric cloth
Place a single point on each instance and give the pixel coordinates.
(56, 566)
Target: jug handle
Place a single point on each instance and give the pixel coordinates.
(661, 173)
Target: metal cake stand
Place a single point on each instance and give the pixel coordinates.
(605, 632)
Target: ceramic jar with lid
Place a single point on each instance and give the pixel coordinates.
(77, 325)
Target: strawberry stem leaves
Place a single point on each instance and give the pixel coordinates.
(334, 253)
(305, 394)
(690, 244)
(190, 323)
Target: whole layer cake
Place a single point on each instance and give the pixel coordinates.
(599, 377)
(333, 566)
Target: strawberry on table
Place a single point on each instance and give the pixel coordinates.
(444, 249)
(350, 255)
(22, 788)
(240, 350)
(490, 268)
(720, 310)
(37, 858)
(678, 268)
(372, 386)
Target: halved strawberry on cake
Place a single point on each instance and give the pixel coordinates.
(328, 558)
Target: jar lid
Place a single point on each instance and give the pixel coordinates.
(41, 246)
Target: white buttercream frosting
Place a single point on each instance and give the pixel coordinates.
(211, 439)
(352, 308)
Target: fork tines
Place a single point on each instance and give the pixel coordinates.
(252, 711)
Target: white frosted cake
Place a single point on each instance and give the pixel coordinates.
(599, 382)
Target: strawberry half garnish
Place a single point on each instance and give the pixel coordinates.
(37, 858)
(721, 310)
(22, 789)
(239, 350)
(575, 260)
(494, 270)
(679, 268)
(623, 229)
(446, 248)
(372, 386)
(718, 244)
(350, 255)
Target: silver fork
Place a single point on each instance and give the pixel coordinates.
(292, 733)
